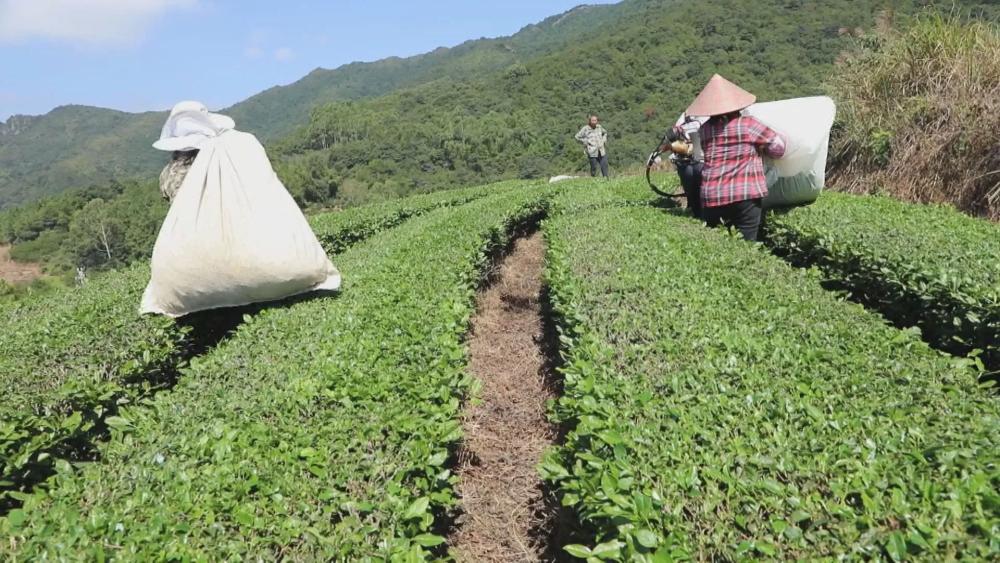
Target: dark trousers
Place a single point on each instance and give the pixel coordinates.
(744, 215)
(601, 161)
(690, 174)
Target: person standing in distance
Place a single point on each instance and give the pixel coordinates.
(594, 138)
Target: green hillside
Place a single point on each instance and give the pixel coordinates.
(520, 121)
(479, 116)
(278, 111)
(74, 146)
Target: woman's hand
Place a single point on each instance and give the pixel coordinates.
(682, 148)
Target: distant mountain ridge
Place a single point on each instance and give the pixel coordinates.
(634, 61)
(277, 111)
(74, 146)
(16, 124)
(486, 110)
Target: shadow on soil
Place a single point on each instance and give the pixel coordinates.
(562, 526)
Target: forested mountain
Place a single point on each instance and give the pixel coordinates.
(74, 146)
(276, 112)
(486, 110)
(520, 121)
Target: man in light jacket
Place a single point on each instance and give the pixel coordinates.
(595, 138)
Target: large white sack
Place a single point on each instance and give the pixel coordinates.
(805, 123)
(233, 236)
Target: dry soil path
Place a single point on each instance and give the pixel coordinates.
(505, 514)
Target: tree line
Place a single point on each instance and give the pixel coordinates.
(514, 123)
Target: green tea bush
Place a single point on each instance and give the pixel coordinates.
(720, 405)
(70, 360)
(320, 431)
(589, 193)
(338, 230)
(924, 266)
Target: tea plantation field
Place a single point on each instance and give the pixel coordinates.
(722, 405)
(719, 402)
(923, 266)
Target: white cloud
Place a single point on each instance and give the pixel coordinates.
(262, 43)
(283, 54)
(83, 21)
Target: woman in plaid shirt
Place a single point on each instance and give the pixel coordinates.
(733, 181)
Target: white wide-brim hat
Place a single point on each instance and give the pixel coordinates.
(190, 124)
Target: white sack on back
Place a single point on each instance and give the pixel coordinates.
(800, 175)
(233, 236)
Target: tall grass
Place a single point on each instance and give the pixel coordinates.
(920, 114)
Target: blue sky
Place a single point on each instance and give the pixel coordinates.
(139, 55)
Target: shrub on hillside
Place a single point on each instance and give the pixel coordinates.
(920, 114)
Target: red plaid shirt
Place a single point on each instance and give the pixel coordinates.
(734, 170)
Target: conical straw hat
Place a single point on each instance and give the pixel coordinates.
(720, 97)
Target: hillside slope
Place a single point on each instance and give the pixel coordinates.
(520, 121)
(919, 115)
(748, 413)
(638, 68)
(74, 146)
(279, 110)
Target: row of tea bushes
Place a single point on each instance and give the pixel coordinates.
(319, 431)
(721, 405)
(70, 360)
(924, 266)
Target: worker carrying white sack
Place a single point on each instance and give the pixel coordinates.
(798, 177)
(233, 235)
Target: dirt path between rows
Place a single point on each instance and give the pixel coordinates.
(17, 272)
(505, 513)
